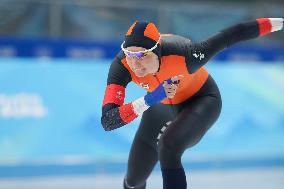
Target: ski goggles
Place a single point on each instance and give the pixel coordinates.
(138, 54)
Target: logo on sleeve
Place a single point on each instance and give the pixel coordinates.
(119, 95)
(198, 55)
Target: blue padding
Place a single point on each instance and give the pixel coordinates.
(156, 96)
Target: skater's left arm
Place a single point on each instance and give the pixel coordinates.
(198, 54)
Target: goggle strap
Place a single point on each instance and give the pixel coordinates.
(145, 51)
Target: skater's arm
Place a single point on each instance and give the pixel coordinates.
(198, 54)
(116, 114)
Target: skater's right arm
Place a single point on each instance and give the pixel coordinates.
(115, 113)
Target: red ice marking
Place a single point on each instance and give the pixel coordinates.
(127, 113)
(264, 25)
(114, 94)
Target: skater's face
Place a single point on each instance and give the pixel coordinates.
(142, 63)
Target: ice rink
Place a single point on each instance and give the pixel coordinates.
(260, 178)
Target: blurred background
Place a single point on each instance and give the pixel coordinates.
(54, 60)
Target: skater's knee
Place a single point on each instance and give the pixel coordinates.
(169, 153)
(168, 146)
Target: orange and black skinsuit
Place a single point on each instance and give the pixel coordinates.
(168, 128)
